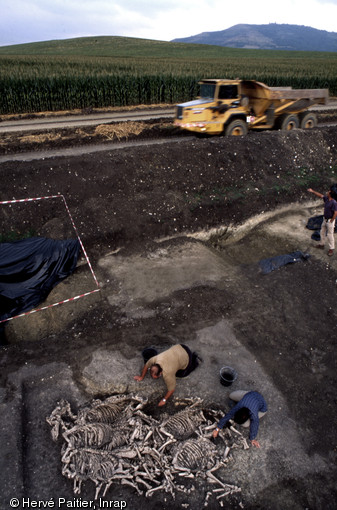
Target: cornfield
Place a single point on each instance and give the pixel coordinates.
(35, 83)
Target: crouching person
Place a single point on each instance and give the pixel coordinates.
(177, 361)
(250, 407)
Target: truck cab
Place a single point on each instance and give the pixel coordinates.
(219, 101)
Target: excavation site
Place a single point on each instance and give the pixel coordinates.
(206, 242)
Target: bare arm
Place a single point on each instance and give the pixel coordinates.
(167, 396)
(319, 195)
(143, 374)
(334, 216)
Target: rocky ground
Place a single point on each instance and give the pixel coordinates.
(174, 233)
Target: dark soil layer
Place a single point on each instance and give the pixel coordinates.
(128, 196)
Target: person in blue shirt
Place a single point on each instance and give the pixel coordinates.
(329, 219)
(250, 407)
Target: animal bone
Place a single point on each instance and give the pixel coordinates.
(125, 453)
(182, 424)
(140, 480)
(234, 430)
(148, 435)
(109, 410)
(226, 452)
(170, 441)
(114, 441)
(154, 489)
(216, 480)
(55, 420)
(194, 454)
(92, 434)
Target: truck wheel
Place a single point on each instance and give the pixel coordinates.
(308, 120)
(288, 122)
(237, 127)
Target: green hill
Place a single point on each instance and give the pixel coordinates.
(115, 46)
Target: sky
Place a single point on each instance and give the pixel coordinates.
(23, 21)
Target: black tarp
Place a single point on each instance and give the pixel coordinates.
(315, 223)
(30, 268)
(269, 265)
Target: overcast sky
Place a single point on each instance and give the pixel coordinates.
(24, 21)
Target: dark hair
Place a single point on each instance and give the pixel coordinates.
(159, 368)
(333, 191)
(241, 416)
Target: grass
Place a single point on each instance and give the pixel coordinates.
(97, 72)
(131, 47)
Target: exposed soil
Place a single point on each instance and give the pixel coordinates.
(105, 133)
(174, 233)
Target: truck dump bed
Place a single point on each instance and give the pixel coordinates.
(320, 96)
(283, 100)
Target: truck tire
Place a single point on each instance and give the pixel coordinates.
(237, 127)
(288, 122)
(307, 120)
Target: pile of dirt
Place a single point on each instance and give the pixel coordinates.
(126, 196)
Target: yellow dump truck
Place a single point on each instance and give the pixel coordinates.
(232, 107)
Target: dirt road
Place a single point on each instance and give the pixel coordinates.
(74, 121)
(49, 121)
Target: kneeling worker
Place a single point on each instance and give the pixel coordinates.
(177, 361)
(250, 407)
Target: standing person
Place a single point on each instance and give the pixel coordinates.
(177, 361)
(329, 218)
(250, 407)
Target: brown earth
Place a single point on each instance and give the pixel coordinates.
(104, 133)
(174, 233)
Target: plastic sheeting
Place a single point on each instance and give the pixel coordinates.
(315, 223)
(30, 268)
(269, 265)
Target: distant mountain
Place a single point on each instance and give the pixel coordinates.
(268, 37)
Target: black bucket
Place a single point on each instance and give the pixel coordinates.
(227, 376)
(148, 353)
